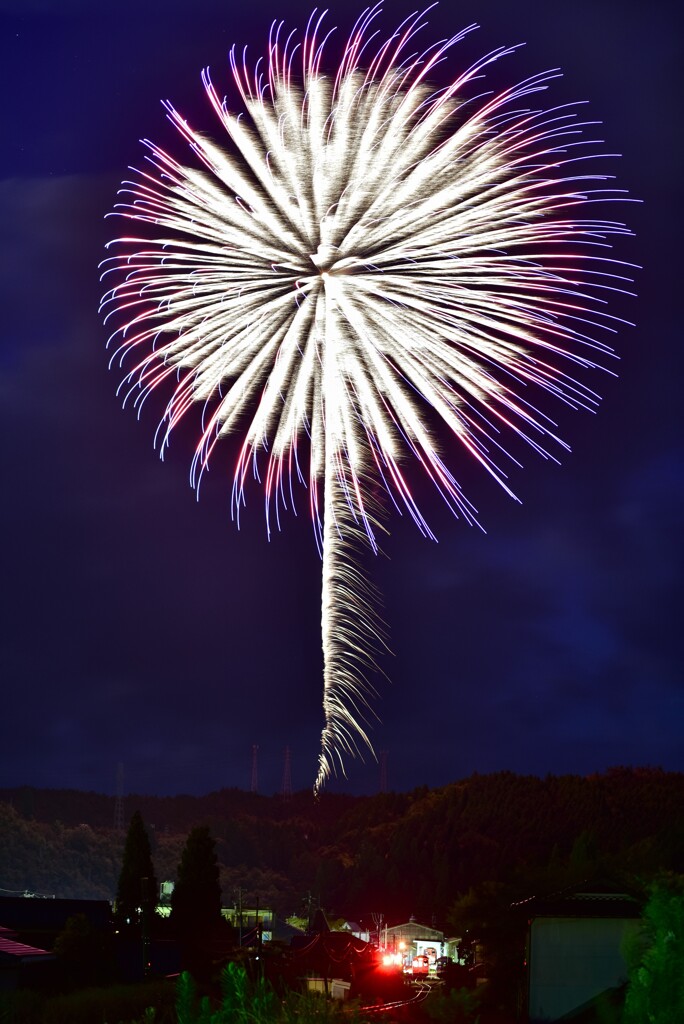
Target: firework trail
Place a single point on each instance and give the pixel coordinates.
(365, 252)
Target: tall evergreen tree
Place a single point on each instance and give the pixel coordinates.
(136, 894)
(196, 899)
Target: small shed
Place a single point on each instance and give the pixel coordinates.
(575, 948)
(19, 962)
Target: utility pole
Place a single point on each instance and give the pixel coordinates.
(238, 911)
(145, 925)
(309, 900)
(377, 921)
(258, 931)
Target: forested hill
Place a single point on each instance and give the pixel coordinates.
(401, 852)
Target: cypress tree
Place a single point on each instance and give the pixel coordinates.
(196, 899)
(137, 890)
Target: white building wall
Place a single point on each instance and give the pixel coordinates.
(571, 960)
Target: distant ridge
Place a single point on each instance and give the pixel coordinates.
(402, 853)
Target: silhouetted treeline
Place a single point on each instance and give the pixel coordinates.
(400, 853)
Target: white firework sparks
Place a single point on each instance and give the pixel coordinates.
(364, 252)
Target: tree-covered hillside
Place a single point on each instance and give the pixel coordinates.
(399, 853)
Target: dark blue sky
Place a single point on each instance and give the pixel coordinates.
(138, 626)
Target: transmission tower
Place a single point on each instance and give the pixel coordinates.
(118, 799)
(383, 771)
(255, 768)
(287, 776)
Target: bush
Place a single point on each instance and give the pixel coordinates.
(655, 994)
(255, 1002)
(457, 1006)
(118, 1004)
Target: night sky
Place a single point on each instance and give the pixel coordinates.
(139, 626)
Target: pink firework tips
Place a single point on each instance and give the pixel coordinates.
(360, 252)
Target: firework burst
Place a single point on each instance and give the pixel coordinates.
(363, 252)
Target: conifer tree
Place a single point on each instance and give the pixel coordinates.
(136, 894)
(196, 899)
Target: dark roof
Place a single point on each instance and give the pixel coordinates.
(23, 912)
(9, 948)
(601, 901)
(339, 945)
(319, 924)
(422, 932)
(283, 932)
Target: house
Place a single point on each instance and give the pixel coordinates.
(249, 922)
(575, 947)
(20, 964)
(354, 928)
